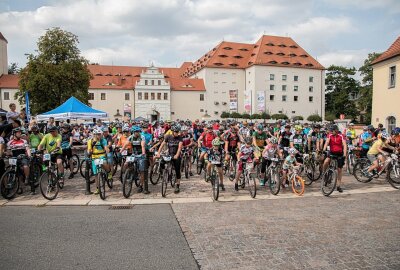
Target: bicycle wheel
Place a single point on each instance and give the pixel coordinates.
(110, 182)
(75, 163)
(251, 184)
(136, 177)
(186, 163)
(9, 185)
(328, 183)
(242, 182)
(194, 156)
(35, 173)
(127, 183)
(232, 170)
(173, 178)
(309, 170)
(317, 170)
(298, 185)
(164, 183)
(115, 165)
(199, 165)
(87, 169)
(102, 184)
(215, 186)
(360, 171)
(48, 185)
(393, 176)
(155, 174)
(274, 182)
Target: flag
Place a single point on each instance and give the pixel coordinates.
(28, 109)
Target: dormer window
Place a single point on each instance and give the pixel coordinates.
(222, 55)
(297, 64)
(99, 74)
(293, 46)
(280, 54)
(285, 63)
(304, 55)
(309, 65)
(272, 62)
(233, 65)
(218, 64)
(270, 44)
(282, 45)
(268, 53)
(292, 55)
(108, 74)
(237, 56)
(128, 75)
(250, 63)
(255, 46)
(243, 49)
(253, 54)
(227, 48)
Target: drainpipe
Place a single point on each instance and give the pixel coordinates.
(322, 97)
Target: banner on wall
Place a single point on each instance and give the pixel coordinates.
(260, 101)
(247, 101)
(128, 111)
(233, 100)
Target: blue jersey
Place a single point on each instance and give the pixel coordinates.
(148, 137)
(365, 136)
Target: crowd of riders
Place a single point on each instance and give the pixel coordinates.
(216, 142)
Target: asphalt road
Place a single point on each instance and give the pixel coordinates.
(144, 237)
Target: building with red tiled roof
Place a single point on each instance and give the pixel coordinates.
(275, 75)
(3, 55)
(386, 88)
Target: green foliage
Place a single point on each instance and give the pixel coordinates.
(298, 118)
(246, 116)
(56, 73)
(13, 68)
(265, 115)
(235, 115)
(279, 116)
(340, 84)
(314, 118)
(330, 117)
(225, 115)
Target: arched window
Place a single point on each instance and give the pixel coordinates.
(391, 123)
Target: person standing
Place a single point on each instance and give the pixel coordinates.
(12, 115)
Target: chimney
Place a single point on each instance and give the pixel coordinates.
(3, 55)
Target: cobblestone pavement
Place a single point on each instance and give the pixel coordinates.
(358, 231)
(193, 188)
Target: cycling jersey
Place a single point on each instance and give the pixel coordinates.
(270, 151)
(232, 139)
(65, 140)
(17, 147)
(186, 139)
(244, 132)
(366, 139)
(285, 138)
(136, 144)
(173, 144)
(97, 147)
(260, 138)
(374, 148)
(289, 161)
(121, 142)
(148, 139)
(298, 142)
(216, 155)
(50, 143)
(246, 152)
(35, 139)
(208, 137)
(336, 143)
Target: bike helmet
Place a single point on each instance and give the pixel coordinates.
(260, 127)
(292, 151)
(185, 128)
(144, 125)
(334, 127)
(209, 126)
(35, 127)
(97, 131)
(273, 140)
(248, 140)
(53, 128)
(176, 128)
(161, 136)
(298, 128)
(136, 129)
(365, 128)
(384, 135)
(216, 142)
(15, 130)
(317, 126)
(66, 126)
(125, 129)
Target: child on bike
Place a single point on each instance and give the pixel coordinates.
(289, 162)
(246, 154)
(270, 151)
(216, 154)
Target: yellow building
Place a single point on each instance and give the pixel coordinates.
(386, 88)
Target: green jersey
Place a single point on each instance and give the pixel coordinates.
(34, 140)
(50, 142)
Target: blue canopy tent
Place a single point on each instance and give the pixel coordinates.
(72, 109)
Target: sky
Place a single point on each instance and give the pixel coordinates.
(169, 32)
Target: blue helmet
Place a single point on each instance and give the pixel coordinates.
(136, 129)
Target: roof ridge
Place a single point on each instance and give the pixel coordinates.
(392, 51)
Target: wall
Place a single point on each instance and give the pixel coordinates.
(385, 100)
(5, 104)
(186, 105)
(3, 57)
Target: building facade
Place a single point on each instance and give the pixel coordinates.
(386, 88)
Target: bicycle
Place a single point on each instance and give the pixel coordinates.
(35, 168)
(296, 180)
(232, 165)
(9, 182)
(75, 163)
(351, 158)
(101, 175)
(249, 178)
(329, 177)
(312, 167)
(214, 177)
(168, 174)
(50, 180)
(154, 174)
(272, 176)
(131, 175)
(185, 162)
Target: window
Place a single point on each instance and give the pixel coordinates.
(283, 98)
(201, 110)
(271, 97)
(284, 87)
(152, 82)
(201, 97)
(391, 123)
(91, 96)
(310, 99)
(271, 87)
(311, 79)
(127, 96)
(310, 89)
(159, 82)
(295, 88)
(146, 96)
(153, 96)
(103, 96)
(284, 77)
(7, 95)
(139, 96)
(296, 98)
(392, 77)
(271, 77)
(165, 96)
(293, 112)
(296, 78)
(158, 96)
(145, 82)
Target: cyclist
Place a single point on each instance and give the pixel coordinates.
(66, 142)
(124, 138)
(216, 153)
(244, 131)
(314, 139)
(18, 146)
(377, 151)
(205, 140)
(284, 139)
(35, 137)
(366, 141)
(174, 145)
(109, 139)
(297, 142)
(289, 162)
(351, 134)
(246, 154)
(51, 142)
(337, 149)
(259, 140)
(270, 151)
(97, 148)
(232, 142)
(187, 145)
(148, 138)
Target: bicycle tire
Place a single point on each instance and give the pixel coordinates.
(232, 174)
(164, 183)
(309, 170)
(317, 170)
(155, 174)
(328, 183)
(48, 183)
(110, 182)
(187, 167)
(82, 170)
(359, 169)
(127, 183)
(75, 163)
(60, 184)
(251, 183)
(115, 165)
(173, 178)
(35, 173)
(298, 182)
(102, 184)
(391, 176)
(199, 166)
(215, 186)
(274, 182)
(6, 192)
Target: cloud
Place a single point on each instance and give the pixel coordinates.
(393, 6)
(347, 58)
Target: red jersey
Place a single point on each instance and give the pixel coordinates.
(336, 143)
(208, 137)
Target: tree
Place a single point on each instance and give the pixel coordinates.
(279, 116)
(298, 118)
(246, 116)
(55, 73)
(340, 85)
(225, 115)
(13, 68)
(265, 115)
(255, 116)
(235, 115)
(314, 118)
(365, 100)
(330, 117)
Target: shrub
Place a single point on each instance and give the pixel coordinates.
(314, 118)
(279, 116)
